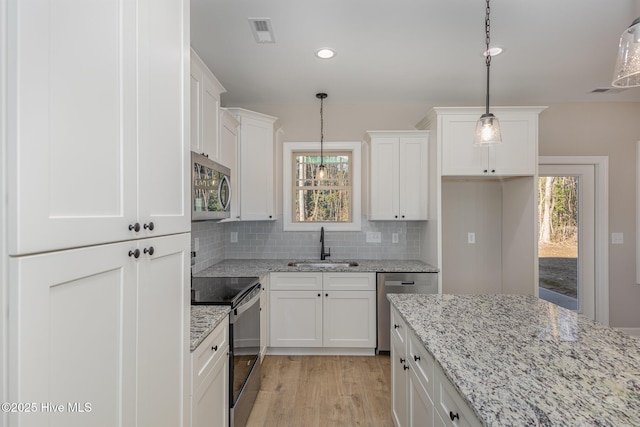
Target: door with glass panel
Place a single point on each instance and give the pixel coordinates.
(566, 240)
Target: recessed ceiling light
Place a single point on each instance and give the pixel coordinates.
(493, 51)
(325, 53)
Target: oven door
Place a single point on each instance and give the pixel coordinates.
(245, 341)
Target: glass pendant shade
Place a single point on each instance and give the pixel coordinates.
(627, 71)
(322, 172)
(487, 131)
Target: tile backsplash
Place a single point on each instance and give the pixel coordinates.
(267, 240)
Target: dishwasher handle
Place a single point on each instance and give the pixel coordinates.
(399, 283)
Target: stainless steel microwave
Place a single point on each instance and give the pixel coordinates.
(211, 189)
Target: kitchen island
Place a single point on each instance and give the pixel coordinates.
(518, 360)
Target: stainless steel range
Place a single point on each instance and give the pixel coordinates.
(243, 295)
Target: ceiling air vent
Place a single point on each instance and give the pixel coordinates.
(261, 29)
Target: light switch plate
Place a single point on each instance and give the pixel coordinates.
(196, 244)
(617, 238)
(471, 238)
(394, 238)
(234, 237)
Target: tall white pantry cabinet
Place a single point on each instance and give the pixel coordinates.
(98, 221)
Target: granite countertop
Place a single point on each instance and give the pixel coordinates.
(519, 360)
(260, 267)
(204, 319)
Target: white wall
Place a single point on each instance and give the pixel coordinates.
(605, 129)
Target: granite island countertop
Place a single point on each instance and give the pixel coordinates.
(519, 360)
(260, 267)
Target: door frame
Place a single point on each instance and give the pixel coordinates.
(601, 232)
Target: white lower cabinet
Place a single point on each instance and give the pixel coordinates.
(103, 333)
(210, 379)
(421, 395)
(322, 310)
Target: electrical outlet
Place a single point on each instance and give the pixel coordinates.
(196, 244)
(234, 237)
(394, 238)
(374, 237)
(617, 238)
(471, 238)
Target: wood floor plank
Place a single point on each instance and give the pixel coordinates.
(323, 391)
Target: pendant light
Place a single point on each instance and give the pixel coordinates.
(627, 71)
(322, 173)
(488, 126)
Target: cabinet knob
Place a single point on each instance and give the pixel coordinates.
(416, 358)
(493, 171)
(405, 367)
(215, 347)
(149, 251)
(396, 326)
(149, 226)
(485, 171)
(453, 416)
(270, 216)
(402, 360)
(402, 216)
(319, 295)
(135, 227)
(396, 216)
(326, 295)
(135, 253)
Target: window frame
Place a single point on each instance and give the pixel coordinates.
(288, 148)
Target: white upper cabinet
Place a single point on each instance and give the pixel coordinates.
(205, 110)
(255, 163)
(399, 175)
(229, 128)
(516, 156)
(88, 133)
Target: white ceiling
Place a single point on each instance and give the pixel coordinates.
(413, 51)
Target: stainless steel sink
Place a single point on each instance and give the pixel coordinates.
(320, 264)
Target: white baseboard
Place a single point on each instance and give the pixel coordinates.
(321, 351)
(631, 331)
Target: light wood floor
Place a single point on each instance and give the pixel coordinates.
(308, 391)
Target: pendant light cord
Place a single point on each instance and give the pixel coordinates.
(487, 30)
(321, 131)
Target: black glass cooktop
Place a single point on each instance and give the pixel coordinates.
(220, 290)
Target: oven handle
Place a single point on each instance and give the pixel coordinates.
(247, 305)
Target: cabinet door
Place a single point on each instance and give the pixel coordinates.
(421, 407)
(195, 112)
(459, 155)
(72, 156)
(164, 160)
(399, 383)
(384, 198)
(349, 319)
(228, 151)
(256, 169)
(296, 319)
(210, 402)
(414, 178)
(73, 335)
(210, 118)
(517, 155)
(163, 313)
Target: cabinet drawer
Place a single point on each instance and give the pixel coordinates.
(213, 348)
(349, 281)
(307, 281)
(398, 327)
(450, 405)
(421, 363)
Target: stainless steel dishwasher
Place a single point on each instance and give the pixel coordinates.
(399, 283)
